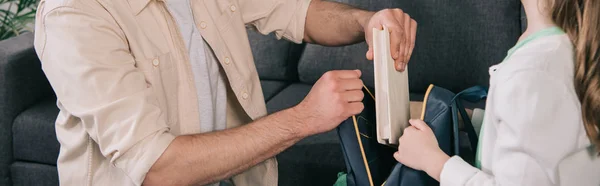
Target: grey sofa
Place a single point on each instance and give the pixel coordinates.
(457, 40)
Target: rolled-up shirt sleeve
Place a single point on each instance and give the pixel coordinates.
(86, 59)
(284, 17)
(537, 127)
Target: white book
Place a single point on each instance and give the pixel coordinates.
(392, 104)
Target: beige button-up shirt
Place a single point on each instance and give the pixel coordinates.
(124, 84)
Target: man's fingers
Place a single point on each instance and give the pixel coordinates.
(369, 40)
(403, 20)
(395, 42)
(395, 31)
(419, 124)
(401, 27)
(358, 72)
(413, 37)
(397, 38)
(396, 45)
(400, 57)
(380, 26)
(355, 108)
(370, 53)
(351, 84)
(407, 42)
(343, 74)
(353, 96)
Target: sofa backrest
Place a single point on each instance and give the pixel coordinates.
(457, 41)
(275, 59)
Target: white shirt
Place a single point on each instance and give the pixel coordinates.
(210, 84)
(532, 121)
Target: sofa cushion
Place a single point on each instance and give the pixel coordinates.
(288, 97)
(270, 88)
(457, 41)
(274, 59)
(315, 160)
(34, 137)
(33, 174)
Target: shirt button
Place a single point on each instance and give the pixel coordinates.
(232, 8)
(245, 95)
(155, 62)
(227, 61)
(203, 25)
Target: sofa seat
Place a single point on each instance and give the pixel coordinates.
(34, 137)
(35, 147)
(28, 173)
(315, 160)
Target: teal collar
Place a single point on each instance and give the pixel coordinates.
(542, 33)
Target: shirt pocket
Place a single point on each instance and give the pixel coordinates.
(161, 76)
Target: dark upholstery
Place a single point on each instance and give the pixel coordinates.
(315, 160)
(33, 174)
(22, 84)
(523, 20)
(34, 138)
(288, 97)
(456, 43)
(271, 88)
(275, 59)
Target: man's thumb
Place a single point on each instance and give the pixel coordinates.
(370, 54)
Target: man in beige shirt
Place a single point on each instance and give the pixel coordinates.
(128, 105)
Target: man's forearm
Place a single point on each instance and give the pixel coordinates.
(335, 24)
(209, 157)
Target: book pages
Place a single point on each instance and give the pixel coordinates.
(392, 104)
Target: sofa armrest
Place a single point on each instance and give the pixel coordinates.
(22, 83)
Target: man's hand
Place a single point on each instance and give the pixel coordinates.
(402, 29)
(336, 24)
(336, 96)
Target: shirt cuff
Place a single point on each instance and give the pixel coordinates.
(456, 172)
(137, 161)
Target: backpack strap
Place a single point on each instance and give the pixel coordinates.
(472, 94)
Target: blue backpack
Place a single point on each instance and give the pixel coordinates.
(369, 163)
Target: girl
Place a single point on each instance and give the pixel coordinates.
(543, 108)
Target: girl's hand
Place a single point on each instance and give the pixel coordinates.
(419, 149)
